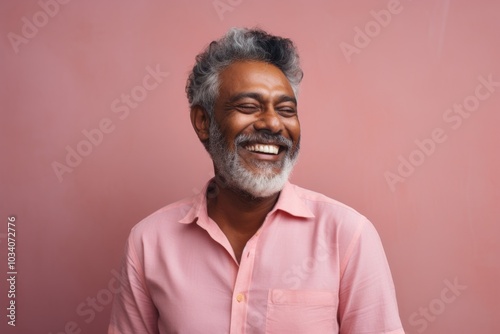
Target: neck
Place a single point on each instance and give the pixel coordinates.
(237, 210)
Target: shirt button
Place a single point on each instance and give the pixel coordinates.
(240, 297)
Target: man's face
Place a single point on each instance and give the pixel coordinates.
(255, 134)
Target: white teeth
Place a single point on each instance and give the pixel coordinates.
(273, 149)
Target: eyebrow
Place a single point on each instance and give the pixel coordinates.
(258, 97)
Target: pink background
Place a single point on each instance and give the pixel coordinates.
(361, 113)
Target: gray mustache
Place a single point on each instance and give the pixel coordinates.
(264, 138)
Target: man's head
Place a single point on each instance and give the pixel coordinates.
(242, 93)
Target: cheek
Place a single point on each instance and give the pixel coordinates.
(231, 127)
(293, 127)
(238, 124)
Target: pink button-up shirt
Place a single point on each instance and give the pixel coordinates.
(315, 266)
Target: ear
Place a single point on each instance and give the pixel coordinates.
(200, 122)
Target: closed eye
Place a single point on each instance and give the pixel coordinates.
(247, 108)
(287, 111)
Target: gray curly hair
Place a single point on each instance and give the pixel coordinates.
(202, 86)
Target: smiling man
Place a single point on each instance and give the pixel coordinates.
(253, 253)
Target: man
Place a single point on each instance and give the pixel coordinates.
(253, 253)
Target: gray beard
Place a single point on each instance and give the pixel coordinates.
(232, 173)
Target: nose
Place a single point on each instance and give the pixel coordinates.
(269, 121)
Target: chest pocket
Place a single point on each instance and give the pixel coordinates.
(301, 312)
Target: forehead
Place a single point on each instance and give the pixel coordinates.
(253, 76)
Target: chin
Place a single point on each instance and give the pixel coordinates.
(260, 185)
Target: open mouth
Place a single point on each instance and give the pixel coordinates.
(263, 148)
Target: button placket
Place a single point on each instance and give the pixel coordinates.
(239, 307)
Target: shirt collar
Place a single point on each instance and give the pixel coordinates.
(288, 201)
(199, 208)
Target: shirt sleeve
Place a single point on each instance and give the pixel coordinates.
(367, 298)
(133, 309)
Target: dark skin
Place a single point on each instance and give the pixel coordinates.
(254, 96)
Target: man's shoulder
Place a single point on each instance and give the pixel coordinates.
(166, 216)
(322, 204)
(330, 213)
